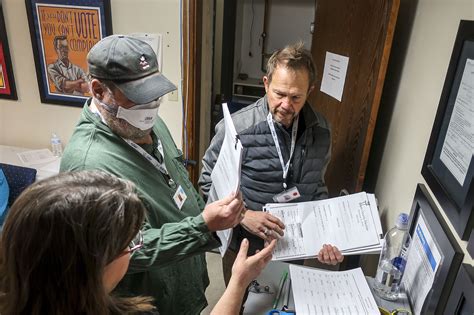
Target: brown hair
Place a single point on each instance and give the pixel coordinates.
(58, 38)
(58, 237)
(294, 57)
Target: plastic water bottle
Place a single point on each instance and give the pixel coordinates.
(56, 146)
(393, 260)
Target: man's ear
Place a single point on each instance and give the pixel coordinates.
(311, 88)
(97, 89)
(266, 83)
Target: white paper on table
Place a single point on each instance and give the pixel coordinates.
(318, 291)
(36, 157)
(226, 172)
(458, 146)
(156, 42)
(334, 75)
(309, 225)
(423, 261)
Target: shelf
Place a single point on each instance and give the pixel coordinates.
(253, 88)
(250, 82)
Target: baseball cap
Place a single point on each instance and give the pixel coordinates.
(131, 64)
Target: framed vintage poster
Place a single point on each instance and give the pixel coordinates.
(7, 81)
(62, 33)
(461, 298)
(434, 257)
(448, 167)
(470, 245)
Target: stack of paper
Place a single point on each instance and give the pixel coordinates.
(331, 292)
(351, 223)
(226, 173)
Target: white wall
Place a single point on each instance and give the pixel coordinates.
(429, 51)
(288, 22)
(29, 123)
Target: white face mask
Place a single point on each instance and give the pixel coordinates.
(141, 116)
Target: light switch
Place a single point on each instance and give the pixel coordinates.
(173, 96)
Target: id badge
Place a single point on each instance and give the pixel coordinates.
(179, 197)
(287, 195)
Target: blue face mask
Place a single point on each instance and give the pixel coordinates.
(142, 116)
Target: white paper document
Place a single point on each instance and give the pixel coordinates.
(334, 75)
(458, 146)
(423, 262)
(226, 173)
(351, 223)
(36, 157)
(331, 292)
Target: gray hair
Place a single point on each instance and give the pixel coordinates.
(294, 57)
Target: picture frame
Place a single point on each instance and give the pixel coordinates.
(448, 167)
(470, 245)
(62, 33)
(461, 298)
(7, 79)
(451, 254)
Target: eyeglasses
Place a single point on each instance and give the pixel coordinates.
(136, 243)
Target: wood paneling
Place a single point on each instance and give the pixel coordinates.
(363, 31)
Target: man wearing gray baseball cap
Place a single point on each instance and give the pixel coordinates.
(120, 132)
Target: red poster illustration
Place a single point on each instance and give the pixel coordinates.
(4, 86)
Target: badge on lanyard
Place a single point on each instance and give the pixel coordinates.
(287, 195)
(292, 193)
(179, 197)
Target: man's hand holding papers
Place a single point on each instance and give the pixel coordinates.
(263, 224)
(224, 213)
(311, 225)
(330, 255)
(269, 227)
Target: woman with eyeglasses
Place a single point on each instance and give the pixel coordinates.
(67, 242)
(65, 245)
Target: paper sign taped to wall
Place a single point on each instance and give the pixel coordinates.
(334, 75)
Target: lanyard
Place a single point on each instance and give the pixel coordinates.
(159, 166)
(294, 132)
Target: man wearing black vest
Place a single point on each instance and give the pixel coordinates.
(287, 147)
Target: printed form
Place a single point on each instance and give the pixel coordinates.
(331, 292)
(423, 262)
(309, 225)
(226, 173)
(33, 157)
(458, 147)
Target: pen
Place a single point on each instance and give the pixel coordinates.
(280, 287)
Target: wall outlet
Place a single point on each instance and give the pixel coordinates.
(173, 96)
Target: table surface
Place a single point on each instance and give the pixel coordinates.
(9, 155)
(261, 303)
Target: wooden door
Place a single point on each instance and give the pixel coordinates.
(361, 30)
(191, 39)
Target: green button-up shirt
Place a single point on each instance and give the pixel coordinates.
(171, 267)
